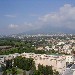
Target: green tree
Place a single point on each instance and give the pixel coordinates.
(4, 73)
(3, 67)
(45, 70)
(36, 72)
(14, 71)
(56, 72)
(8, 64)
(24, 63)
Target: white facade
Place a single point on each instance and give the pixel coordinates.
(39, 48)
(66, 47)
(53, 47)
(74, 73)
(60, 43)
(16, 54)
(69, 58)
(47, 48)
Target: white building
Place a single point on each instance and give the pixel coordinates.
(66, 47)
(57, 62)
(47, 48)
(16, 54)
(74, 73)
(69, 59)
(53, 47)
(60, 43)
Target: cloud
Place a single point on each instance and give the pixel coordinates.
(13, 26)
(65, 17)
(22, 27)
(28, 24)
(11, 16)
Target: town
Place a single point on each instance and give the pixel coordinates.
(37, 37)
(53, 50)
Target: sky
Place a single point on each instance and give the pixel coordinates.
(17, 16)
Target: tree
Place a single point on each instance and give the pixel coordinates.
(45, 70)
(8, 64)
(4, 73)
(56, 72)
(14, 71)
(24, 63)
(36, 72)
(3, 67)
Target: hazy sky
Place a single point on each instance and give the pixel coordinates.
(18, 16)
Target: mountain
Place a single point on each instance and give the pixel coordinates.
(47, 30)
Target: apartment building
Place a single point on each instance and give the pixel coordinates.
(69, 59)
(57, 62)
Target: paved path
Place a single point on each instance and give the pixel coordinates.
(68, 72)
(0, 73)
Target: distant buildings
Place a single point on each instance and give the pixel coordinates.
(39, 48)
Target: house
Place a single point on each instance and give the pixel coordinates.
(40, 48)
(47, 48)
(69, 59)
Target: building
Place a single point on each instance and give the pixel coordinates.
(39, 48)
(57, 62)
(47, 48)
(69, 59)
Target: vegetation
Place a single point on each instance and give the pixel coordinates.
(20, 46)
(8, 64)
(22, 65)
(4, 73)
(45, 70)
